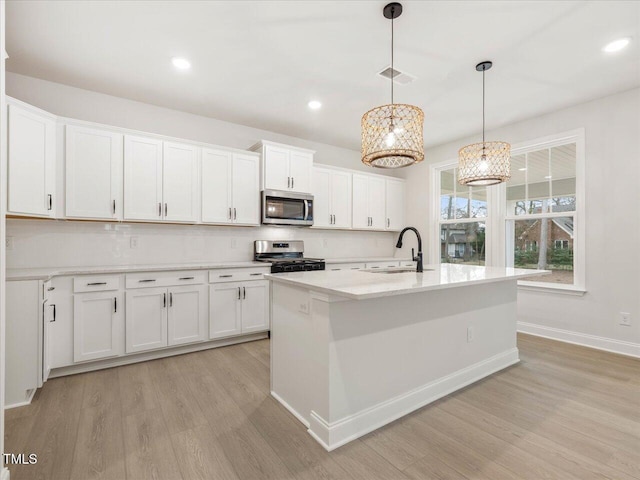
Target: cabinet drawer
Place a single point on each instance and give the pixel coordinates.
(96, 283)
(345, 266)
(237, 274)
(165, 279)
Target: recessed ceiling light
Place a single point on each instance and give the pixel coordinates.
(616, 45)
(314, 104)
(523, 169)
(181, 63)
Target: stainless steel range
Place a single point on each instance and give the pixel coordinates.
(285, 256)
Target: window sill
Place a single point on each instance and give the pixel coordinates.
(551, 288)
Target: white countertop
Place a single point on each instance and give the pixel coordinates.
(362, 285)
(48, 272)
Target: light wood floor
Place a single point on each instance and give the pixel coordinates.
(564, 412)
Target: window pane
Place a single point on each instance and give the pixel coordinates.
(516, 187)
(447, 195)
(462, 201)
(538, 181)
(563, 174)
(478, 202)
(463, 243)
(545, 243)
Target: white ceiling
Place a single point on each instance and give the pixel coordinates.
(259, 63)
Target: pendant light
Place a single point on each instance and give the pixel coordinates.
(392, 134)
(486, 163)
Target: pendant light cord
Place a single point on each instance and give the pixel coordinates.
(483, 72)
(392, 70)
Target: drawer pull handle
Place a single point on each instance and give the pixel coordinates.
(355, 268)
(254, 274)
(51, 289)
(225, 276)
(147, 281)
(186, 278)
(93, 284)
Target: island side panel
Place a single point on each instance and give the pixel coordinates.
(389, 356)
(293, 350)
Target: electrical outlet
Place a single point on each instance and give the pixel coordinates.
(8, 243)
(133, 242)
(470, 334)
(304, 307)
(625, 319)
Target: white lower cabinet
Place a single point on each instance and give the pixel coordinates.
(98, 325)
(187, 321)
(225, 310)
(238, 308)
(146, 319)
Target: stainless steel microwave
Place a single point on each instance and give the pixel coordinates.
(287, 208)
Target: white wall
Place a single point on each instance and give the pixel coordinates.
(612, 143)
(48, 243)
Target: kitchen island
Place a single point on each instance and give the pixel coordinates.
(354, 350)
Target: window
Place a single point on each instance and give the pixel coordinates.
(541, 211)
(532, 221)
(462, 235)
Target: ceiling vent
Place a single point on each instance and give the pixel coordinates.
(400, 78)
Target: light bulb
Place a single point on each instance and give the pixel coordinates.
(390, 139)
(484, 166)
(398, 130)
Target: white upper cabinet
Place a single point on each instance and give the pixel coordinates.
(369, 202)
(285, 168)
(31, 162)
(93, 173)
(142, 178)
(180, 182)
(246, 189)
(395, 200)
(216, 186)
(230, 187)
(332, 198)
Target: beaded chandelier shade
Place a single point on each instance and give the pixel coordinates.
(486, 163)
(392, 134)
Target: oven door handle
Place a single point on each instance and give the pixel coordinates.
(306, 209)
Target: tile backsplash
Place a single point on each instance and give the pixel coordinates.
(61, 243)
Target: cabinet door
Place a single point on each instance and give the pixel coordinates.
(300, 168)
(180, 182)
(224, 309)
(376, 195)
(360, 201)
(187, 320)
(341, 199)
(246, 189)
(146, 319)
(255, 306)
(31, 162)
(93, 173)
(97, 325)
(276, 168)
(395, 205)
(142, 178)
(321, 189)
(216, 186)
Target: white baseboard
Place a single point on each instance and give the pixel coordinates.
(153, 355)
(336, 434)
(27, 401)
(290, 408)
(5, 474)
(593, 341)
